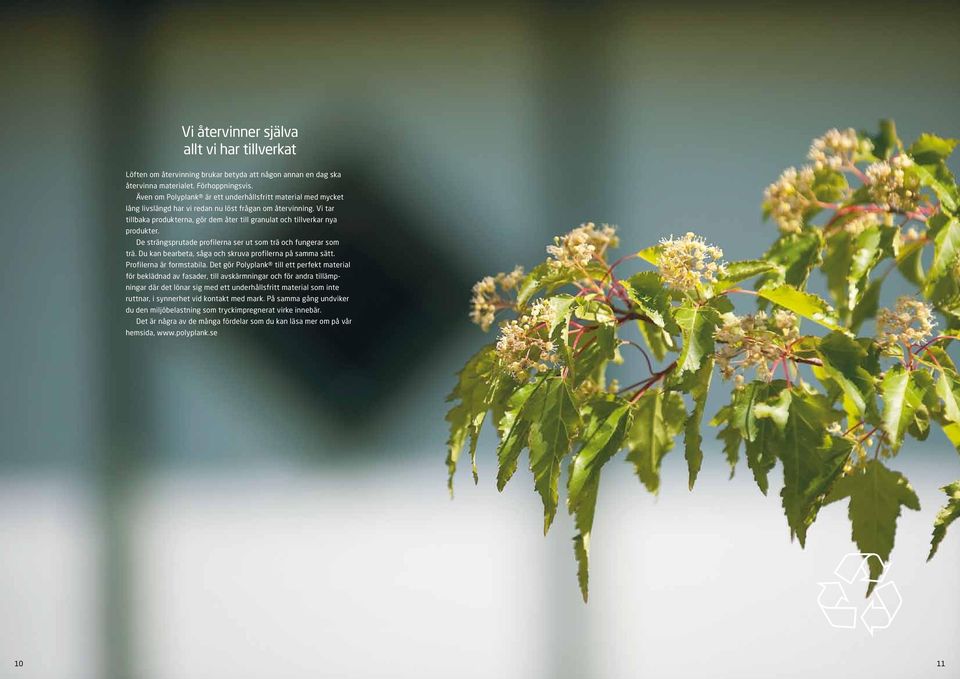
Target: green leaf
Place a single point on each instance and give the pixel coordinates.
(952, 432)
(902, 396)
(843, 362)
(876, 496)
(836, 266)
(760, 411)
(697, 324)
(658, 417)
(594, 350)
(812, 460)
(947, 515)
(910, 263)
(886, 142)
(946, 250)
(796, 255)
(866, 253)
(544, 279)
(829, 185)
(930, 149)
(479, 385)
(514, 426)
(602, 440)
(951, 409)
(736, 272)
(730, 436)
(550, 439)
(659, 341)
(939, 179)
(944, 389)
(867, 306)
(650, 255)
(758, 432)
(648, 294)
(692, 438)
(804, 304)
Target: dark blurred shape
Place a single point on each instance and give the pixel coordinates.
(407, 295)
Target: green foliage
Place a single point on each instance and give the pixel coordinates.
(657, 419)
(876, 496)
(807, 391)
(947, 515)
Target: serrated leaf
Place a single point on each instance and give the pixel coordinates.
(544, 278)
(761, 422)
(876, 497)
(796, 255)
(829, 185)
(902, 396)
(657, 339)
(601, 442)
(514, 427)
(804, 304)
(758, 433)
(550, 439)
(944, 389)
(843, 362)
(947, 515)
(886, 141)
(867, 306)
(736, 272)
(478, 387)
(929, 149)
(648, 294)
(939, 179)
(836, 265)
(910, 263)
(657, 418)
(650, 255)
(866, 253)
(697, 324)
(946, 250)
(692, 438)
(812, 460)
(594, 350)
(730, 436)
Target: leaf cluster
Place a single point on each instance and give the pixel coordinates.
(808, 389)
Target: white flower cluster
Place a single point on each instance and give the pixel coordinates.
(486, 298)
(753, 341)
(837, 149)
(576, 249)
(861, 222)
(789, 197)
(522, 345)
(891, 186)
(910, 322)
(688, 261)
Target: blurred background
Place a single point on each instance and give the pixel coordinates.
(274, 505)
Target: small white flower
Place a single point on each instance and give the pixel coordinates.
(523, 345)
(688, 261)
(891, 186)
(910, 322)
(576, 249)
(789, 197)
(486, 300)
(836, 149)
(861, 223)
(753, 341)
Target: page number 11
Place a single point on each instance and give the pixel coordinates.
(940, 663)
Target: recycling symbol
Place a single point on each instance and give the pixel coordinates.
(881, 607)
